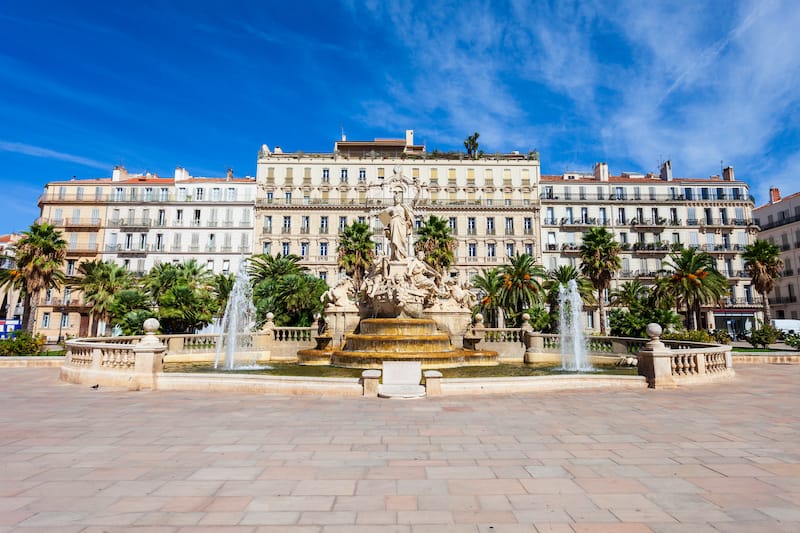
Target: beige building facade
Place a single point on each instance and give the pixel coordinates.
(779, 220)
(499, 205)
(139, 221)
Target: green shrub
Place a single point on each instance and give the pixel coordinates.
(722, 336)
(793, 340)
(22, 343)
(693, 335)
(764, 336)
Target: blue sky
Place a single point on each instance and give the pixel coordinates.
(151, 85)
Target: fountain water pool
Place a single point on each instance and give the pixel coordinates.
(570, 327)
(237, 323)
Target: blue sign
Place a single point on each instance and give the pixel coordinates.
(7, 327)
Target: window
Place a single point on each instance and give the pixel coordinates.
(621, 216)
(509, 226)
(226, 266)
(266, 248)
(285, 248)
(585, 215)
(230, 194)
(199, 193)
(472, 249)
(569, 216)
(287, 224)
(323, 224)
(603, 218)
(210, 265)
(344, 175)
(452, 225)
(215, 194)
(270, 197)
(71, 267)
(510, 249)
(196, 217)
(304, 249)
(491, 250)
(527, 224)
(342, 223)
(288, 198)
(529, 249)
(362, 175)
(490, 225)
(268, 224)
(323, 249)
(471, 225)
(305, 223)
(45, 320)
(64, 320)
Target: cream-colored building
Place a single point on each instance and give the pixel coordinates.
(138, 221)
(779, 220)
(499, 205)
(650, 215)
(305, 199)
(10, 301)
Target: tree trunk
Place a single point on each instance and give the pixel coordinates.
(601, 307)
(27, 325)
(767, 311)
(690, 316)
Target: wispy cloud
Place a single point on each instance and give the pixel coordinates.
(38, 151)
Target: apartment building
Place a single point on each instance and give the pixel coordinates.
(138, 221)
(305, 199)
(155, 220)
(11, 301)
(779, 220)
(499, 205)
(651, 215)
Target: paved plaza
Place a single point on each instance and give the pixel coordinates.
(719, 457)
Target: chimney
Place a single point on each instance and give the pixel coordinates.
(229, 176)
(774, 193)
(119, 174)
(601, 171)
(666, 171)
(409, 138)
(727, 174)
(181, 174)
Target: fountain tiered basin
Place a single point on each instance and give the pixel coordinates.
(397, 339)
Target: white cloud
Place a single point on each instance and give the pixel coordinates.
(38, 151)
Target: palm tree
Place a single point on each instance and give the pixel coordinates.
(520, 290)
(562, 276)
(628, 294)
(40, 256)
(471, 144)
(694, 280)
(488, 285)
(356, 251)
(222, 285)
(264, 267)
(599, 261)
(100, 281)
(764, 265)
(436, 242)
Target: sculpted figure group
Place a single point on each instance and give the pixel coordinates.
(398, 282)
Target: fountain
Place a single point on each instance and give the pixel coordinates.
(237, 322)
(570, 327)
(404, 311)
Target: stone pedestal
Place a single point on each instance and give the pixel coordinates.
(370, 380)
(340, 323)
(149, 358)
(655, 360)
(453, 322)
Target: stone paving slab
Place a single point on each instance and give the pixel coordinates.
(722, 457)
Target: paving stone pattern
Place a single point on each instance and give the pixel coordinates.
(720, 457)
